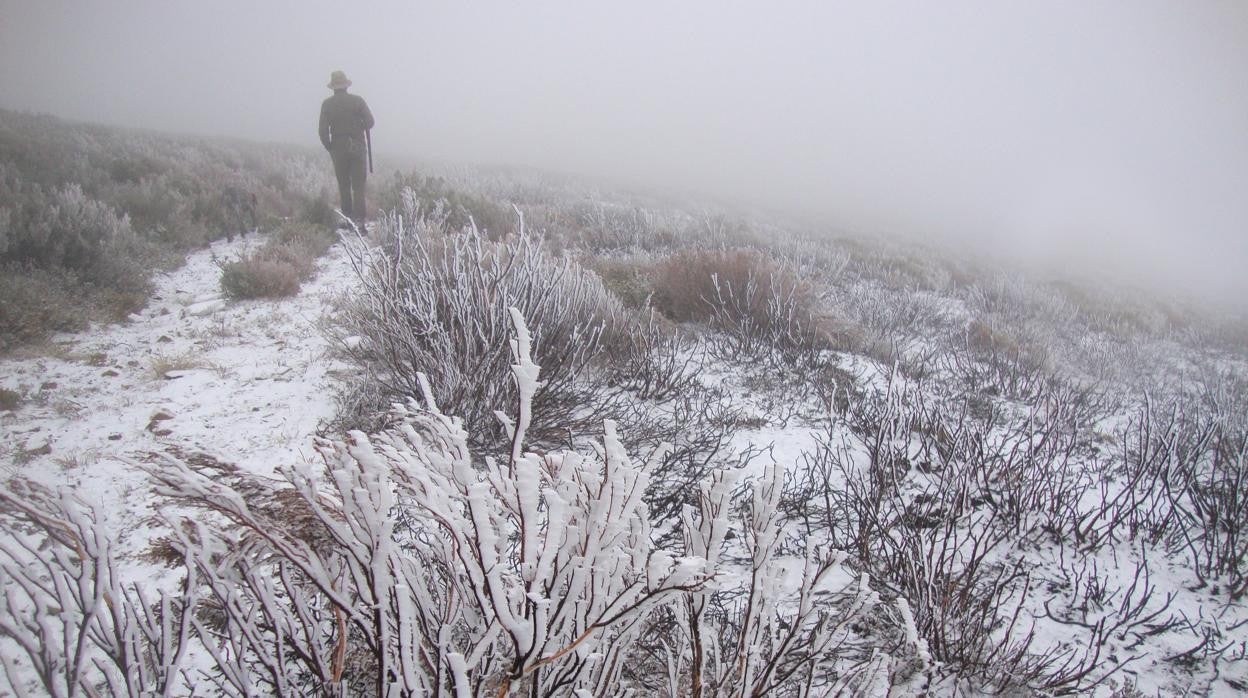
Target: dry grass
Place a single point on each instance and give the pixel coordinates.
(164, 364)
(756, 300)
(280, 267)
(257, 277)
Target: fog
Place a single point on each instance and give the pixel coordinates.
(1108, 136)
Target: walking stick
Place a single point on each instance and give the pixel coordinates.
(368, 138)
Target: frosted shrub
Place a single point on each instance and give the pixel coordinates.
(463, 209)
(939, 505)
(437, 305)
(36, 302)
(403, 565)
(790, 630)
(80, 628)
(604, 227)
(73, 232)
(90, 212)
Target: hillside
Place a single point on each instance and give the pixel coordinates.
(524, 436)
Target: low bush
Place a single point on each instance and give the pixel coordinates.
(97, 210)
(999, 359)
(10, 399)
(38, 303)
(758, 302)
(403, 564)
(464, 209)
(259, 277)
(319, 211)
(600, 227)
(279, 267)
(438, 306)
(628, 279)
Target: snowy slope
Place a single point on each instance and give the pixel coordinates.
(251, 382)
(247, 380)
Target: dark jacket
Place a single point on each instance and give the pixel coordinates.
(344, 119)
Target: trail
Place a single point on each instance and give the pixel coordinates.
(247, 381)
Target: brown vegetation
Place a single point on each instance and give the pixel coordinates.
(279, 267)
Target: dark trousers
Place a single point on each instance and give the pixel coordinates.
(351, 170)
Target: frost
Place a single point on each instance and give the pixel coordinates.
(402, 562)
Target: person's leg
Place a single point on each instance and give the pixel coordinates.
(342, 170)
(359, 177)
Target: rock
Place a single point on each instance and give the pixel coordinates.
(164, 339)
(135, 317)
(47, 385)
(114, 437)
(206, 307)
(153, 423)
(110, 373)
(37, 446)
(42, 450)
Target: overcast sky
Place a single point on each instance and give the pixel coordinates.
(1099, 134)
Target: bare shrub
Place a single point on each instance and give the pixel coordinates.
(659, 364)
(1112, 615)
(765, 640)
(938, 505)
(404, 565)
(259, 277)
(994, 360)
(1181, 479)
(758, 303)
(280, 267)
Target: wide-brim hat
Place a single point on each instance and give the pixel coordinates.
(338, 80)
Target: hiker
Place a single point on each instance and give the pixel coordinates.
(345, 122)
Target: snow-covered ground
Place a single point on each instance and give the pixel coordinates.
(252, 382)
(248, 381)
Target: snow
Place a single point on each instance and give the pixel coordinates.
(248, 382)
(252, 383)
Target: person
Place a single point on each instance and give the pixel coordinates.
(345, 122)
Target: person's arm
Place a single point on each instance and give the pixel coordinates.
(323, 129)
(366, 115)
